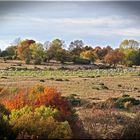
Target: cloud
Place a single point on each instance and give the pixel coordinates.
(94, 21)
(101, 27)
(131, 32)
(107, 25)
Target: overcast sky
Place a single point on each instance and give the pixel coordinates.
(96, 23)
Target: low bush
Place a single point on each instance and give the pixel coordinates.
(132, 129)
(108, 104)
(122, 100)
(51, 97)
(103, 123)
(39, 123)
(3, 110)
(40, 95)
(37, 61)
(5, 128)
(58, 79)
(119, 85)
(16, 102)
(41, 112)
(104, 87)
(75, 101)
(27, 61)
(78, 60)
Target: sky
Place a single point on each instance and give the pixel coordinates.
(99, 23)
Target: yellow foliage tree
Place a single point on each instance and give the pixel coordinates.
(89, 55)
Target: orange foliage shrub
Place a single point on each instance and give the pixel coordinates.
(17, 102)
(37, 96)
(51, 97)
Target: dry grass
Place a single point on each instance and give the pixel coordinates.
(100, 123)
(83, 87)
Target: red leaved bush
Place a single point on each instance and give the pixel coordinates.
(51, 97)
(17, 102)
(37, 96)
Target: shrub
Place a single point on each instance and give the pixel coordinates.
(34, 91)
(127, 105)
(5, 128)
(119, 85)
(109, 103)
(103, 123)
(40, 95)
(58, 79)
(47, 112)
(40, 123)
(78, 60)
(101, 84)
(104, 87)
(121, 100)
(15, 113)
(37, 104)
(75, 101)
(3, 110)
(37, 61)
(132, 129)
(61, 131)
(27, 61)
(125, 95)
(51, 97)
(18, 101)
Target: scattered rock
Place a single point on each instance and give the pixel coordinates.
(4, 77)
(42, 80)
(59, 79)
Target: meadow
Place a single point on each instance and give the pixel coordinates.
(106, 101)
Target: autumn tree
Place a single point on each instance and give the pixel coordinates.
(138, 57)
(62, 55)
(98, 51)
(89, 55)
(106, 50)
(37, 52)
(114, 57)
(131, 51)
(12, 51)
(24, 50)
(130, 57)
(55, 50)
(87, 48)
(129, 44)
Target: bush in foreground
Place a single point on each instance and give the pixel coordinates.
(41, 112)
(40, 95)
(39, 123)
(132, 129)
(5, 128)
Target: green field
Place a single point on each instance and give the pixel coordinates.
(68, 73)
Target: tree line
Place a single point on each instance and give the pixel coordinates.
(128, 53)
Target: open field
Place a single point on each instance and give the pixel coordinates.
(92, 87)
(87, 88)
